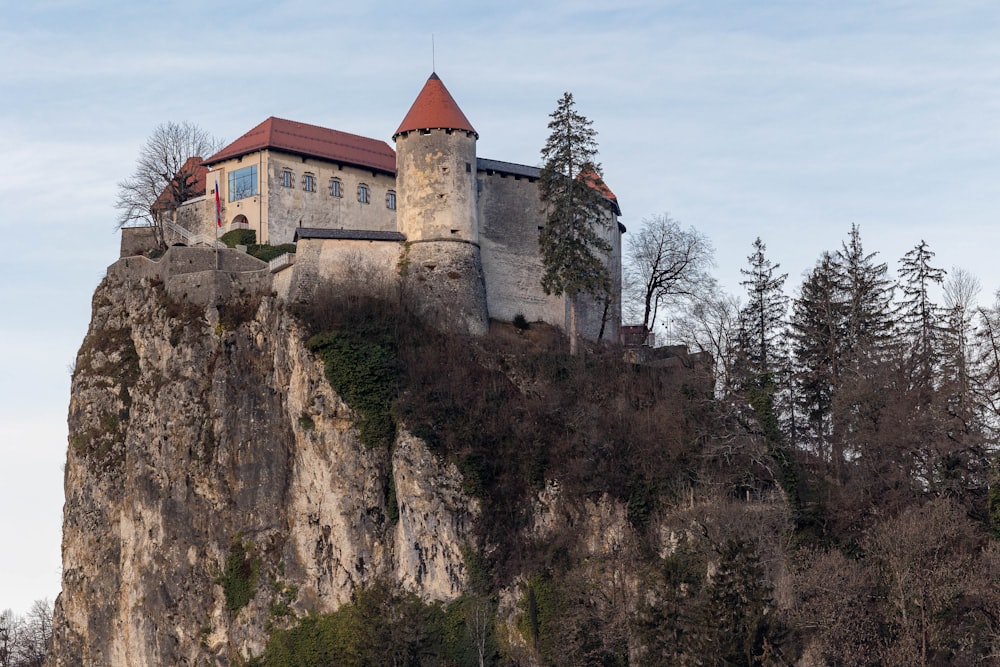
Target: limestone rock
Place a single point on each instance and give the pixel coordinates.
(193, 441)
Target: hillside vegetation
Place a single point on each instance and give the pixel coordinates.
(739, 542)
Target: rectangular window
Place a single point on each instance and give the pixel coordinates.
(363, 194)
(243, 183)
(307, 183)
(335, 188)
(286, 179)
(390, 200)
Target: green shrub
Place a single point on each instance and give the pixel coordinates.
(239, 577)
(382, 625)
(267, 252)
(237, 237)
(306, 422)
(539, 607)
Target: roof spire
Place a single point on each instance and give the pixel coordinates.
(434, 109)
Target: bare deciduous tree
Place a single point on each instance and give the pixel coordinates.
(668, 263)
(162, 169)
(24, 640)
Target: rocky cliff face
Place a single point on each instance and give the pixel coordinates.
(215, 485)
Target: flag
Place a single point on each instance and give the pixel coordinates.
(218, 204)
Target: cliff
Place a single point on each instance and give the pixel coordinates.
(215, 484)
(350, 484)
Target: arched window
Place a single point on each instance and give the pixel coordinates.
(363, 193)
(390, 200)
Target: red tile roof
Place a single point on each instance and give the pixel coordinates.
(434, 109)
(591, 177)
(312, 141)
(187, 183)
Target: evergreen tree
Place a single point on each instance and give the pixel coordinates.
(575, 209)
(817, 326)
(865, 347)
(762, 319)
(919, 316)
(869, 291)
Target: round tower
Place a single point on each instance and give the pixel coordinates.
(436, 210)
(436, 169)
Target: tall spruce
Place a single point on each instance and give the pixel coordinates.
(816, 331)
(570, 241)
(763, 368)
(919, 317)
(869, 293)
(763, 318)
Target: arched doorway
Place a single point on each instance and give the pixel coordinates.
(239, 222)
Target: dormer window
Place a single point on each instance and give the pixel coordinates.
(390, 200)
(363, 193)
(336, 188)
(308, 182)
(286, 178)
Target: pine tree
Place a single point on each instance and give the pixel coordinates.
(570, 243)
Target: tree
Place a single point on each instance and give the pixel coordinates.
(163, 178)
(762, 319)
(575, 210)
(711, 325)
(817, 328)
(24, 640)
(961, 290)
(919, 316)
(667, 263)
(869, 292)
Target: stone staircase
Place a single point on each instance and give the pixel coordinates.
(192, 239)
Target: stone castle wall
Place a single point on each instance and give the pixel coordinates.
(436, 185)
(290, 208)
(444, 281)
(198, 275)
(511, 215)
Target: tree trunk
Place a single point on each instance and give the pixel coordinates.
(573, 343)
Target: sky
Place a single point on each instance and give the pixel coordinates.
(783, 120)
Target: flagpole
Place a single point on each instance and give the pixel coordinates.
(218, 222)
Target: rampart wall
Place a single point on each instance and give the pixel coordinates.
(190, 274)
(511, 215)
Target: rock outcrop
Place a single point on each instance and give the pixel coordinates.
(216, 485)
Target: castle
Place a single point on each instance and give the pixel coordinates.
(461, 229)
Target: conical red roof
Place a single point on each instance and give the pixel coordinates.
(434, 109)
